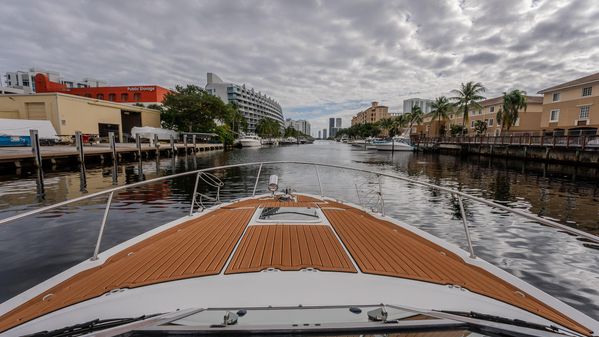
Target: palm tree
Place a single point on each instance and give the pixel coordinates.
(513, 102)
(441, 108)
(386, 124)
(268, 127)
(400, 122)
(415, 117)
(467, 98)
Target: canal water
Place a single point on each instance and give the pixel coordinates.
(36, 248)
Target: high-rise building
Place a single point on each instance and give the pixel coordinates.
(324, 134)
(424, 104)
(319, 134)
(301, 125)
(332, 129)
(338, 123)
(252, 104)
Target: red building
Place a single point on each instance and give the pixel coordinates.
(145, 94)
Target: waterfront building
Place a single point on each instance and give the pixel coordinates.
(338, 123)
(301, 125)
(528, 122)
(324, 134)
(25, 80)
(252, 104)
(131, 94)
(571, 108)
(424, 104)
(372, 114)
(319, 134)
(71, 113)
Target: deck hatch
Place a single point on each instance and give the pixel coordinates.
(289, 214)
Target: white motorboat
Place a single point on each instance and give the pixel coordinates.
(397, 143)
(270, 141)
(358, 142)
(249, 141)
(288, 263)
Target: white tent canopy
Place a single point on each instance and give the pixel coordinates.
(149, 132)
(21, 127)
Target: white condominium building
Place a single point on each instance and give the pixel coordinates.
(424, 104)
(251, 103)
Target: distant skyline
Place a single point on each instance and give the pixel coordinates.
(319, 59)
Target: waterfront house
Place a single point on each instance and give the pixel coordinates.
(571, 108)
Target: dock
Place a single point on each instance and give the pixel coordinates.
(16, 157)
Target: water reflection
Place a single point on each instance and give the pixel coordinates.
(551, 260)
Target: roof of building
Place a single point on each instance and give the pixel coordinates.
(583, 80)
(92, 101)
(499, 100)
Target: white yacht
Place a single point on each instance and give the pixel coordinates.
(288, 263)
(397, 143)
(249, 140)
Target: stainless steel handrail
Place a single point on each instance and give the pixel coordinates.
(450, 191)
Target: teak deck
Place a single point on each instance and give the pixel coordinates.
(202, 247)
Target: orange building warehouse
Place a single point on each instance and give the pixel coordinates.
(144, 94)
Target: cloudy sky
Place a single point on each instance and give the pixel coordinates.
(319, 59)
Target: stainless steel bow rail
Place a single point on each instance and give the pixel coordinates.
(212, 181)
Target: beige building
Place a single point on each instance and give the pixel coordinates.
(527, 123)
(69, 113)
(373, 114)
(571, 108)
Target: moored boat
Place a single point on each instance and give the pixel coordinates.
(397, 143)
(288, 263)
(249, 141)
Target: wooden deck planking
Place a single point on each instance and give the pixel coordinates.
(382, 248)
(289, 247)
(198, 247)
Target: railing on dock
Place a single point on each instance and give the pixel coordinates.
(579, 142)
(204, 176)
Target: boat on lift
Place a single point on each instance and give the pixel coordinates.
(288, 263)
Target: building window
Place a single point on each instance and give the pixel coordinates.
(587, 91)
(137, 97)
(584, 112)
(517, 123)
(490, 123)
(554, 116)
(112, 97)
(556, 97)
(124, 97)
(100, 96)
(492, 109)
(472, 124)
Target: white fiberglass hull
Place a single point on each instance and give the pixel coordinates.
(281, 289)
(250, 143)
(394, 147)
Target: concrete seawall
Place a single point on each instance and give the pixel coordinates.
(555, 154)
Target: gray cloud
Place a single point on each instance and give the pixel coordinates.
(316, 57)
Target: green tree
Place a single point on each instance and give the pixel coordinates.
(441, 108)
(192, 109)
(513, 102)
(234, 119)
(415, 117)
(480, 127)
(467, 98)
(456, 129)
(386, 124)
(268, 128)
